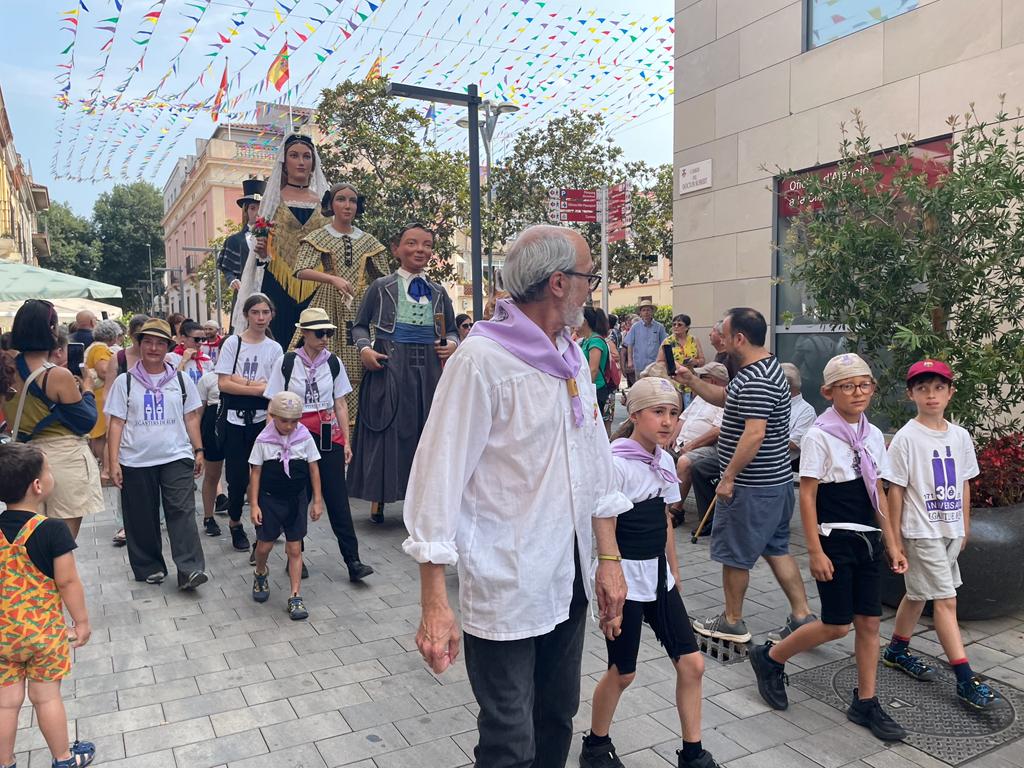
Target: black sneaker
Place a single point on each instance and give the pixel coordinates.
(977, 694)
(193, 580)
(221, 503)
(238, 538)
(870, 714)
(357, 571)
(211, 527)
(908, 663)
(703, 760)
(377, 513)
(771, 677)
(599, 755)
(297, 609)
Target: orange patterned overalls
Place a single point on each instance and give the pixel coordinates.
(33, 633)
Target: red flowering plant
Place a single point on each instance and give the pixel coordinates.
(1001, 481)
(262, 227)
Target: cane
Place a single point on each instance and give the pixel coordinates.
(703, 522)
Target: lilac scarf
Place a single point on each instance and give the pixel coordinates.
(519, 335)
(285, 442)
(830, 422)
(145, 379)
(312, 365)
(628, 448)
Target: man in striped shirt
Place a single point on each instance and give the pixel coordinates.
(755, 494)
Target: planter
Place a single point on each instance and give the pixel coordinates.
(991, 567)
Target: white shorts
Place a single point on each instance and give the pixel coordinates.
(932, 570)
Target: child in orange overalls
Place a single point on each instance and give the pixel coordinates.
(38, 579)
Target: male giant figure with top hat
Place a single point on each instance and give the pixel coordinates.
(239, 246)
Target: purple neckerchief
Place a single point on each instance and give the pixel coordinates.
(146, 380)
(312, 365)
(627, 448)
(272, 436)
(830, 422)
(519, 335)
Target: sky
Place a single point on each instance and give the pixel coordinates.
(166, 59)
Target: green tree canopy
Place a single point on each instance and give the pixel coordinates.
(127, 220)
(74, 249)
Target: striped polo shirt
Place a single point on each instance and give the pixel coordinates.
(758, 391)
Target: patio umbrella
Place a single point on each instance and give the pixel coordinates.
(66, 309)
(24, 281)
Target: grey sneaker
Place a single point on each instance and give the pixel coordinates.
(791, 626)
(720, 629)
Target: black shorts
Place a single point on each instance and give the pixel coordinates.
(282, 515)
(855, 589)
(678, 641)
(207, 431)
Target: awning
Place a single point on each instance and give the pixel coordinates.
(23, 281)
(66, 309)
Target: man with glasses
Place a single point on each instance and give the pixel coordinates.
(644, 339)
(755, 497)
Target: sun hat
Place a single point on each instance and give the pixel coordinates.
(285, 405)
(649, 392)
(155, 327)
(315, 319)
(845, 366)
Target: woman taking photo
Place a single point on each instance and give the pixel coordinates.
(686, 349)
(317, 376)
(342, 260)
(54, 410)
(243, 369)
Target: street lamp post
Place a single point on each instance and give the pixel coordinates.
(491, 114)
(152, 293)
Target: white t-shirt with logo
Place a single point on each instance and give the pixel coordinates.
(318, 394)
(932, 466)
(154, 424)
(254, 362)
(193, 368)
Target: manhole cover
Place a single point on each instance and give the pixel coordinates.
(722, 651)
(938, 723)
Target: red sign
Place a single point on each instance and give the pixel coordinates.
(931, 158)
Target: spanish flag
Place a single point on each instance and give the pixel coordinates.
(221, 92)
(375, 69)
(277, 75)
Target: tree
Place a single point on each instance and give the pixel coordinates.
(74, 249)
(127, 220)
(927, 263)
(375, 144)
(205, 273)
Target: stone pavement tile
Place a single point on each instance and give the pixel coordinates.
(369, 632)
(638, 733)
(114, 682)
(162, 737)
(191, 668)
(325, 642)
(309, 662)
(447, 722)
(305, 730)
(1007, 675)
(371, 742)
(806, 718)
(286, 687)
(293, 630)
(97, 704)
(257, 716)
(225, 645)
(224, 749)
(361, 716)
(1010, 756)
(120, 722)
(350, 673)
(759, 732)
(234, 678)
(731, 676)
(129, 698)
(245, 624)
(1008, 641)
(333, 698)
(375, 650)
(911, 756)
(207, 704)
(209, 618)
(162, 759)
(91, 668)
(265, 653)
(405, 682)
(776, 757)
(441, 753)
(410, 660)
(28, 739)
(837, 746)
(126, 661)
(722, 748)
(743, 702)
(156, 641)
(984, 657)
(445, 696)
(301, 756)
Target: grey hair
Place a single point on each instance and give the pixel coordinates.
(792, 375)
(538, 252)
(719, 326)
(107, 331)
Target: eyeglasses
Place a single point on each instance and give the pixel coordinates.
(329, 333)
(865, 387)
(592, 280)
(466, 325)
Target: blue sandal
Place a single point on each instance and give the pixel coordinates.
(82, 754)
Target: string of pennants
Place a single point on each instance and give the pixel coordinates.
(538, 54)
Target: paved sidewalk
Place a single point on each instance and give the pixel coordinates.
(209, 679)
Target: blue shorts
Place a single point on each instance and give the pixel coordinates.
(753, 523)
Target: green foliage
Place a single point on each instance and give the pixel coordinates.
(910, 270)
(206, 272)
(126, 220)
(74, 249)
(662, 313)
(375, 144)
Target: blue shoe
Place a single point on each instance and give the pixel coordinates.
(260, 586)
(297, 609)
(977, 694)
(82, 754)
(908, 663)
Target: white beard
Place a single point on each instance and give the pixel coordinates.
(573, 317)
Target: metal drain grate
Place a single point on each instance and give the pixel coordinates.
(722, 651)
(937, 722)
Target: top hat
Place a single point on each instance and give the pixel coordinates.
(252, 192)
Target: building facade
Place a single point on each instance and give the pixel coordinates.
(764, 85)
(22, 236)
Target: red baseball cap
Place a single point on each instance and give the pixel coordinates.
(937, 367)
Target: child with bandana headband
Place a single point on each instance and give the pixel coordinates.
(646, 474)
(284, 463)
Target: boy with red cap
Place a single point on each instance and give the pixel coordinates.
(931, 462)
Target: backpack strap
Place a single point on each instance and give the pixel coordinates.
(181, 386)
(287, 366)
(24, 391)
(184, 392)
(335, 365)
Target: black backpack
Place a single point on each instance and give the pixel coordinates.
(289, 363)
(181, 385)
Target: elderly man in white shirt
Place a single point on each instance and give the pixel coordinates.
(697, 438)
(512, 479)
(801, 413)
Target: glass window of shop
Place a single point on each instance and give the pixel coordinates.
(828, 20)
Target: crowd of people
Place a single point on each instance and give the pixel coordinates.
(347, 374)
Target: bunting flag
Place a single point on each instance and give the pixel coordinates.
(221, 93)
(277, 75)
(375, 69)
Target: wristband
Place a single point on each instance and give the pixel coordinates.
(613, 558)
(198, 450)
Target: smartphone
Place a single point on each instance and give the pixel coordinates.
(325, 437)
(76, 357)
(670, 360)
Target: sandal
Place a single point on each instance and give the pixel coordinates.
(82, 754)
(120, 539)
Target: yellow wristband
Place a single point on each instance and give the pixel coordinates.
(613, 558)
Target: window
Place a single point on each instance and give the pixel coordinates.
(828, 20)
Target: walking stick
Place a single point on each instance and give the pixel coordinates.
(703, 522)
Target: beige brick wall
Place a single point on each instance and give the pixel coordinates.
(749, 100)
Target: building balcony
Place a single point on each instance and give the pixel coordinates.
(260, 154)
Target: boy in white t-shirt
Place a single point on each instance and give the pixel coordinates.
(842, 505)
(930, 465)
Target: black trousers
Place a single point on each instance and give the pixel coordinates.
(238, 443)
(528, 691)
(335, 491)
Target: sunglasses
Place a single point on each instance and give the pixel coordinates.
(328, 333)
(198, 339)
(466, 325)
